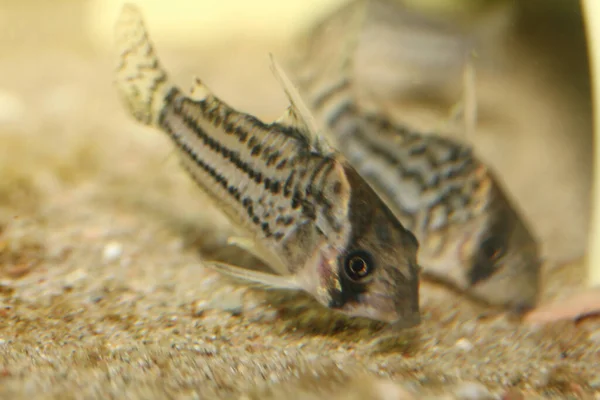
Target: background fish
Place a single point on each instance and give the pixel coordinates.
(471, 236)
(303, 209)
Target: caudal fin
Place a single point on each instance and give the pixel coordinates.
(140, 79)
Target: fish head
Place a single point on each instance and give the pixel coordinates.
(503, 264)
(374, 274)
(487, 250)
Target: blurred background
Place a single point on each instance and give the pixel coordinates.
(533, 91)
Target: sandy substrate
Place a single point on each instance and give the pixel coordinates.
(103, 293)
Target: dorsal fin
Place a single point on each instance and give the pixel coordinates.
(326, 86)
(463, 114)
(322, 55)
(298, 114)
(199, 91)
(350, 44)
(469, 99)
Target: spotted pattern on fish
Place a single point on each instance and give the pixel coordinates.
(300, 204)
(437, 186)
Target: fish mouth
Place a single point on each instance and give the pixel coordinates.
(396, 318)
(407, 321)
(396, 321)
(513, 288)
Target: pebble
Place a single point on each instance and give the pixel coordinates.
(388, 390)
(255, 309)
(513, 394)
(232, 302)
(112, 252)
(205, 350)
(464, 344)
(595, 383)
(273, 378)
(594, 336)
(57, 252)
(73, 277)
(199, 307)
(543, 377)
(472, 391)
(468, 328)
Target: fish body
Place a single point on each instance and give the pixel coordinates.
(302, 207)
(470, 234)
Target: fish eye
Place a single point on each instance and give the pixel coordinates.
(359, 264)
(492, 249)
(486, 260)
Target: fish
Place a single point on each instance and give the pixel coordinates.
(297, 202)
(471, 235)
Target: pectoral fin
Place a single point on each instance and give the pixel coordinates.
(264, 279)
(245, 244)
(253, 248)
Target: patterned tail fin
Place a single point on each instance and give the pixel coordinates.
(140, 79)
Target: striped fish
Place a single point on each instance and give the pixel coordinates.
(471, 237)
(301, 206)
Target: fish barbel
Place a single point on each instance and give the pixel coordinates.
(301, 206)
(470, 234)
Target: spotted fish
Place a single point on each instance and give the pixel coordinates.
(301, 206)
(471, 236)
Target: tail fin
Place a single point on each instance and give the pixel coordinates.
(141, 81)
